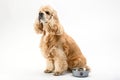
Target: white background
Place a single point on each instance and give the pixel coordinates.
(94, 25)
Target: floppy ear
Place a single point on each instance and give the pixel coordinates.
(57, 28)
(38, 27)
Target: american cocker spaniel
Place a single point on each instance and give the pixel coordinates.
(59, 49)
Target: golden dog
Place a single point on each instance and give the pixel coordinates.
(59, 49)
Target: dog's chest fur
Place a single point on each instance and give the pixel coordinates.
(48, 43)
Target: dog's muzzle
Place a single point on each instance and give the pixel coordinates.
(40, 16)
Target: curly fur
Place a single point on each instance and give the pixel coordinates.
(59, 49)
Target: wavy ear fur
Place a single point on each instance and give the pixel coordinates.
(58, 29)
(55, 26)
(38, 27)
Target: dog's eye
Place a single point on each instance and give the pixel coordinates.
(47, 12)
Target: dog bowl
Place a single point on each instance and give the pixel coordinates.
(80, 72)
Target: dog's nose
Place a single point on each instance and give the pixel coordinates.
(40, 14)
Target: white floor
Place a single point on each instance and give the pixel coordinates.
(93, 24)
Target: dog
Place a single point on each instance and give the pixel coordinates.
(59, 49)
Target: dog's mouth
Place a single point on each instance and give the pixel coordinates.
(41, 19)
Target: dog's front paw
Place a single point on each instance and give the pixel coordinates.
(48, 71)
(57, 73)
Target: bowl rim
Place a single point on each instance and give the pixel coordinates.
(79, 69)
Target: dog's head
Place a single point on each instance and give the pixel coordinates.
(47, 14)
(48, 19)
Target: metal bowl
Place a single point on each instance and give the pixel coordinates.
(80, 72)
